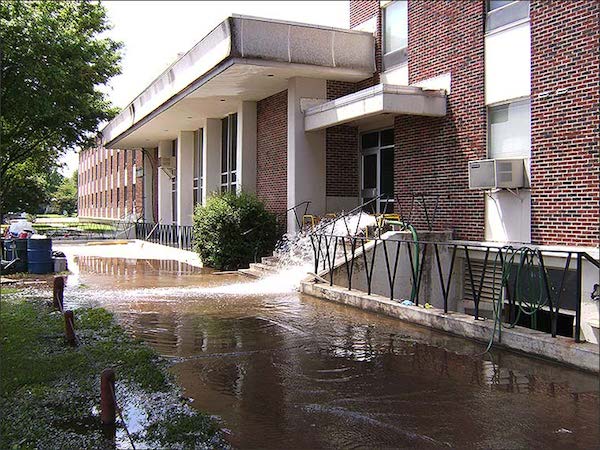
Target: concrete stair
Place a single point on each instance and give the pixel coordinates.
(267, 266)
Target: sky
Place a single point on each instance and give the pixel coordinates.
(155, 32)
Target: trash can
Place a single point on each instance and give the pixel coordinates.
(16, 248)
(39, 254)
(60, 263)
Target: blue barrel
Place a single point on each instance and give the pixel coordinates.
(39, 256)
(13, 249)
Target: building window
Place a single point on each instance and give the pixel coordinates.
(133, 192)
(198, 178)
(509, 130)
(229, 153)
(111, 164)
(124, 159)
(377, 149)
(174, 183)
(118, 197)
(125, 198)
(395, 33)
(505, 12)
(118, 160)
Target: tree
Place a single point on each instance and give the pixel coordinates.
(34, 185)
(64, 199)
(54, 60)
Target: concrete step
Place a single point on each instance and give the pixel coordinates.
(272, 261)
(251, 273)
(264, 269)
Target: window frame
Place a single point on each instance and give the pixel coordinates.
(507, 15)
(198, 176)
(376, 150)
(489, 126)
(398, 56)
(229, 145)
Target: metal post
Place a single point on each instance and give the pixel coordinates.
(578, 300)
(58, 289)
(108, 407)
(69, 327)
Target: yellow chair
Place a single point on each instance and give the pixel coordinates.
(309, 219)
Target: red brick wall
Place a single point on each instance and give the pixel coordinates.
(342, 149)
(97, 202)
(431, 154)
(271, 151)
(361, 11)
(342, 161)
(564, 127)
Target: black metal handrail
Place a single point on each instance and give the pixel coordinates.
(335, 252)
(171, 235)
(294, 208)
(360, 209)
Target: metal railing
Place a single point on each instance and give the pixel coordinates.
(526, 288)
(178, 236)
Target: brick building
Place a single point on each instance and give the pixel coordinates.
(397, 105)
(111, 184)
(486, 108)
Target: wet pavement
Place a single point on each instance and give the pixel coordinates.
(283, 370)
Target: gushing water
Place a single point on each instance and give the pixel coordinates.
(296, 252)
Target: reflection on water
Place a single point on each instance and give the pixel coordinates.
(290, 371)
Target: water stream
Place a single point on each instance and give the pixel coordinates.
(284, 370)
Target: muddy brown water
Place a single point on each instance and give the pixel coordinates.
(284, 370)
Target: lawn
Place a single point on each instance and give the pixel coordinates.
(49, 395)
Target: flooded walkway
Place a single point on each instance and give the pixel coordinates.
(283, 370)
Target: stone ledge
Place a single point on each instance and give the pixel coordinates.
(561, 349)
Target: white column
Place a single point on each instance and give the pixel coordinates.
(305, 152)
(165, 211)
(211, 158)
(185, 177)
(246, 147)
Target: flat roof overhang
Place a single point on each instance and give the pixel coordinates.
(242, 59)
(374, 101)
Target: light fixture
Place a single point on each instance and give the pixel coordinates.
(270, 75)
(189, 117)
(222, 100)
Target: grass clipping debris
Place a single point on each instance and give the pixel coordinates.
(50, 391)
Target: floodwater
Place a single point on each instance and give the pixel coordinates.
(283, 370)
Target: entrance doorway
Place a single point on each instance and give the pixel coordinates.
(377, 174)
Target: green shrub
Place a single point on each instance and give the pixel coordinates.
(231, 230)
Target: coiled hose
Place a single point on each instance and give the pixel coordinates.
(528, 293)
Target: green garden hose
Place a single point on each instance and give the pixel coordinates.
(528, 291)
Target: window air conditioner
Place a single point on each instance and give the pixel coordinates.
(497, 173)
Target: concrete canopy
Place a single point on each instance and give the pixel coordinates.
(242, 59)
(375, 101)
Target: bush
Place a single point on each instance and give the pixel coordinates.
(232, 230)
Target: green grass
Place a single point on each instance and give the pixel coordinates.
(49, 392)
(7, 290)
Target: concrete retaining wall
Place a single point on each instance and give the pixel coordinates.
(564, 350)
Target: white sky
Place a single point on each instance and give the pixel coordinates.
(154, 32)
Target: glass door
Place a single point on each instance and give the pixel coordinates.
(377, 175)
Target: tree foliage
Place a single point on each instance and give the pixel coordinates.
(64, 198)
(55, 57)
(32, 186)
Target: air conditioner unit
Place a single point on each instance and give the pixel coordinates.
(166, 162)
(497, 173)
